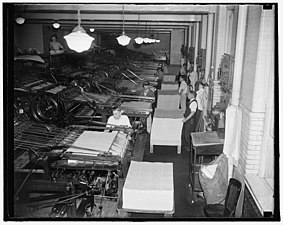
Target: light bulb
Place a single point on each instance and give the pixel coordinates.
(139, 40)
(123, 39)
(91, 30)
(79, 40)
(56, 25)
(20, 20)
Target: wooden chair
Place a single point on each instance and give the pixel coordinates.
(231, 200)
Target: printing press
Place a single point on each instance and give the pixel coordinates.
(64, 158)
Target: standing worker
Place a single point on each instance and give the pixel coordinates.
(183, 91)
(200, 99)
(189, 121)
(55, 46)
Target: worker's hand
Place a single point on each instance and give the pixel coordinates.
(184, 120)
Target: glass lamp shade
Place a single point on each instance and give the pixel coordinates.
(79, 40)
(56, 25)
(123, 39)
(146, 40)
(20, 20)
(139, 40)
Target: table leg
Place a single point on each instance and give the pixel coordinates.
(168, 215)
(151, 148)
(179, 149)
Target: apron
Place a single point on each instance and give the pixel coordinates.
(188, 127)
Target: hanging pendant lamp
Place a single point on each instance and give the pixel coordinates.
(56, 25)
(139, 39)
(123, 39)
(79, 40)
(20, 20)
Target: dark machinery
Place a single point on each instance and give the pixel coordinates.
(48, 173)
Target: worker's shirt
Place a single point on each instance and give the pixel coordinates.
(183, 89)
(55, 46)
(200, 99)
(122, 121)
(193, 105)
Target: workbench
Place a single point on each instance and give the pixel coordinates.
(202, 144)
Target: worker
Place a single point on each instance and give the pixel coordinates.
(118, 119)
(160, 76)
(147, 91)
(183, 91)
(193, 76)
(55, 46)
(200, 100)
(189, 121)
(182, 72)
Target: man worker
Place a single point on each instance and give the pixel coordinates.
(189, 121)
(118, 119)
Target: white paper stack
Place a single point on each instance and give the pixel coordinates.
(169, 86)
(166, 131)
(168, 102)
(170, 78)
(149, 186)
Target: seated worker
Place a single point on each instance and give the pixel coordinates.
(183, 91)
(118, 119)
(189, 121)
(55, 46)
(147, 91)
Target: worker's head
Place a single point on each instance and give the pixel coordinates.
(116, 112)
(182, 78)
(191, 94)
(54, 37)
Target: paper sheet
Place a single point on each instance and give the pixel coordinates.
(169, 86)
(172, 114)
(166, 131)
(168, 102)
(209, 170)
(56, 89)
(89, 141)
(171, 78)
(168, 92)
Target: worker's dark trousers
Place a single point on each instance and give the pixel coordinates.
(188, 128)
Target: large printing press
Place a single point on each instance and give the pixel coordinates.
(61, 106)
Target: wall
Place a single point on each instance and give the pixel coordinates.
(159, 48)
(176, 45)
(254, 93)
(220, 32)
(29, 36)
(251, 47)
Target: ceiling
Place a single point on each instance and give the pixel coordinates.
(109, 17)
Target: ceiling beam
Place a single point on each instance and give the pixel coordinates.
(113, 17)
(129, 8)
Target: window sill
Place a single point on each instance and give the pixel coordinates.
(262, 192)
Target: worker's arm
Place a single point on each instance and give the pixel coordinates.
(188, 117)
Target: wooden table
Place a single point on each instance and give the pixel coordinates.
(202, 144)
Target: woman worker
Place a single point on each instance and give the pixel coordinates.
(189, 121)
